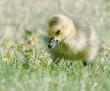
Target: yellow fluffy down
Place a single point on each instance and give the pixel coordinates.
(68, 40)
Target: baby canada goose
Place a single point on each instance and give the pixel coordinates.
(66, 39)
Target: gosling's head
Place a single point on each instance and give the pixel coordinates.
(59, 27)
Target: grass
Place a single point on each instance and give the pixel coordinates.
(24, 62)
(42, 76)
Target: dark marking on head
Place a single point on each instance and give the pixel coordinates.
(57, 40)
(53, 21)
(58, 32)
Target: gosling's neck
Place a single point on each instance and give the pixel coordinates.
(71, 34)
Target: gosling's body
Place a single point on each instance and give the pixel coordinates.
(74, 43)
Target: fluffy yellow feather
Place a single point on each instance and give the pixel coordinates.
(68, 40)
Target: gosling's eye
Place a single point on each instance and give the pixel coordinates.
(57, 32)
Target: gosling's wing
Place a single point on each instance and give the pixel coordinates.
(83, 28)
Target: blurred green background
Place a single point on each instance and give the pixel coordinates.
(18, 15)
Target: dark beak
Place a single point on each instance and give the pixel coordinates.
(52, 43)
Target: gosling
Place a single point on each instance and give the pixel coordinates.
(68, 40)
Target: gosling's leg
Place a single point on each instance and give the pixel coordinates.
(86, 63)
